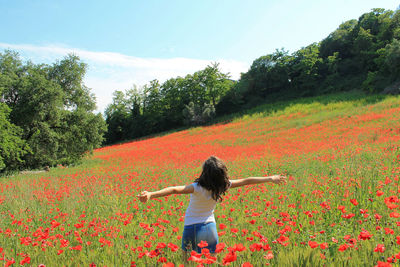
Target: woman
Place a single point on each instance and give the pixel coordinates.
(205, 192)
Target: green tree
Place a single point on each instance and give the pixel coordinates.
(268, 75)
(35, 103)
(153, 109)
(12, 147)
(117, 118)
(216, 83)
(174, 98)
(304, 70)
(53, 108)
(195, 114)
(392, 59)
(69, 73)
(339, 41)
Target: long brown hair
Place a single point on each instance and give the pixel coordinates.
(214, 177)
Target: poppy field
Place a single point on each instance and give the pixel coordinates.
(340, 206)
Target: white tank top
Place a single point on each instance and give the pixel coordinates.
(201, 206)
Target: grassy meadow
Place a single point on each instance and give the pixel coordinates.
(340, 207)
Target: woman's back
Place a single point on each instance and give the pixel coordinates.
(201, 206)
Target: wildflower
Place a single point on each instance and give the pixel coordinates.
(379, 193)
(364, 235)
(256, 247)
(202, 244)
(379, 248)
(354, 202)
(269, 256)
(78, 247)
(161, 245)
(389, 231)
(162, 259)
(394, 214)
(173, 247)
(313, 244)
(234, 230)
(383, 264)
(26, 259)
(238, 247)
(324, 245)
(220, 247)
(230, 257)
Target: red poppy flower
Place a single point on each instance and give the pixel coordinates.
(230, 257)
(202, 244)
(364, 235)
(313, 244)
(379, 248)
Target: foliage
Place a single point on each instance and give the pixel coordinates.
(197, 115)
(53, 109)
(359, 54)
(158, 107)
(392, 58)
(12, 146)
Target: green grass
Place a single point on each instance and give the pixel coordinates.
(103, 191)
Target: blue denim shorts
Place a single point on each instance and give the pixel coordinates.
(195, 233)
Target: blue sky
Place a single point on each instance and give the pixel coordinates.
(133, 42)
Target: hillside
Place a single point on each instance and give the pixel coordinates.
(340, 206)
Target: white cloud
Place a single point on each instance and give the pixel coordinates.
(109, 71)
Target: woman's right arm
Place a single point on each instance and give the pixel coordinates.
(276, 179)
(183, 189)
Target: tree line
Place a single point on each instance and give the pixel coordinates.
(158, 107)
(359, 54)
(47, 113)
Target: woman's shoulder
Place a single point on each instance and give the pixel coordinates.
(198, 188)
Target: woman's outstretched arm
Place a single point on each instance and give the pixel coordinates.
(276, 179)
(183, 189)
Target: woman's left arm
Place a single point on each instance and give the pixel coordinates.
(183, 189)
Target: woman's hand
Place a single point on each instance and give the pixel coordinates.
(144, 196)
(278, 179)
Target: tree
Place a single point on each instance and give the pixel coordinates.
(69, 73)
(12, 146)
(53, 108)
(339, 41)
(117, 118)
(195, 114)
(216, 84)
(392, 58)
(174, 96)
(153, 107)
(268, 75)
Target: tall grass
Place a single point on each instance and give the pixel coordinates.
(335, 150)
